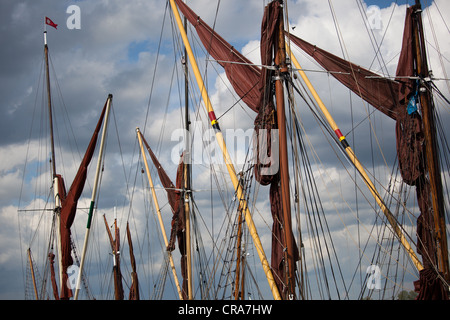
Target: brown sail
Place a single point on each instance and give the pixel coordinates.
(378, 91)
(243, 75)
(69, 207)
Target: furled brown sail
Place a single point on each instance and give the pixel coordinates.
(69, 206)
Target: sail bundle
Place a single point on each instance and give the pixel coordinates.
(68, 208)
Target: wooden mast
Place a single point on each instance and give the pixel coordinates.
(187, 182)
(49, 101)
(57, 203)
(115, 247)
(431, 147)
(227, 159)
(33, 277)
(280, 62)
(158, 212)
(238, 257)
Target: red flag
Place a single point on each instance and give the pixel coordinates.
(50, 22)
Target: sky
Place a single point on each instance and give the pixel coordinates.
(126, 49)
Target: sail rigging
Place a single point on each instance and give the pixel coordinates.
(276, 191)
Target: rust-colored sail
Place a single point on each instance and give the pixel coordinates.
(243, 76)
(134, 289)
(380, 92)
(69, 207)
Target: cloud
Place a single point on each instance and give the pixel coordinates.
(116, 51)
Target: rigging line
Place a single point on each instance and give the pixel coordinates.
(26, 162)
(225, 83)
(356, 189)
(343, 46)
(320, 210)
(443, 20)
(156, 67)
(438, 48)
(322, 121)
(324, 127)
(372, 38)
(441, 96)
(237, 102)
(314, 201)
(381, 237)
(384, 35)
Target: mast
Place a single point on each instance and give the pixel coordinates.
(431, 145)
(94, 195)
(49, 101)
(158, 212)
(220, 140)
(32, 274)
(280, 63)
(186, 176)
(238, 259)
(57, 199)
(115, 248)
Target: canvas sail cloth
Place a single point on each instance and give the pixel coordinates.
(253, 86)
(69, 207)
(243, 76)
(397, 100)
(178, 218)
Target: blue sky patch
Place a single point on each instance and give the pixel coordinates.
(135, 48)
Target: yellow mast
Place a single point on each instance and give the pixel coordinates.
(226, 156)
(398, 231)
(32, 274)
(158, 212)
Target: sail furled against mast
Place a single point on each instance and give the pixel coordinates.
(398, 99)
(68, 208)
(178, 217)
